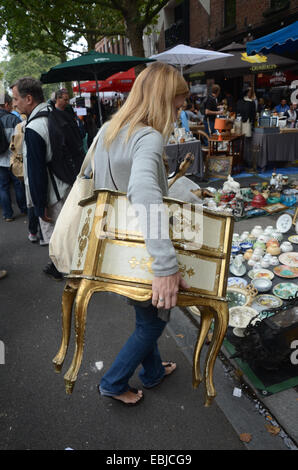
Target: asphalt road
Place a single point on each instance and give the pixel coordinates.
(36, 413)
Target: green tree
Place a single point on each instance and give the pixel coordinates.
(56, 26)
(28, 64)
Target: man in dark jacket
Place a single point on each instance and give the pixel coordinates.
(9, 122)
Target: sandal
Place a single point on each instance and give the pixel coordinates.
(166, 365)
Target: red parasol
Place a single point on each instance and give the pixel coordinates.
(121, 82)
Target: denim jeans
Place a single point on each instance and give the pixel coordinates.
(140, 348)
(6, 178)
(33, 221)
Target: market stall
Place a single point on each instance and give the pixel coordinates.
(273, 147)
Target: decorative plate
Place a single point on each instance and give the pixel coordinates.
(237, 282)
(284, 290)
(286, 271)
(284, 223)
(268, 301)
(293, 239)
(289, 259)
(261, 274)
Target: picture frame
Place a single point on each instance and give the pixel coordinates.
(273, 208)
(219, 166)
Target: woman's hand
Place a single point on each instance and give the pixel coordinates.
(165, 290)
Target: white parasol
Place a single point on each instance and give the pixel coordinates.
(182, 55)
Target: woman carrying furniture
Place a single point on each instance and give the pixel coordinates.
(129, 158)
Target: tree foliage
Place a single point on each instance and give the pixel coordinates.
(55, 27)
(28, 64)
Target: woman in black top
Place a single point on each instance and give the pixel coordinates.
(211, 110)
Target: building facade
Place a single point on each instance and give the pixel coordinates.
(216, 23)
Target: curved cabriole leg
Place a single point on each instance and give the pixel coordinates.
(82, 299)
(68, 297)
(206, 319)
(221, 320)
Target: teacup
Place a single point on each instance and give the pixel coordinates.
(274, 261)
(265, 263)
(257, 230)
(286, 246)
(268, 230)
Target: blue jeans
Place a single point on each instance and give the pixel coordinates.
(140, 348)
(6, 178)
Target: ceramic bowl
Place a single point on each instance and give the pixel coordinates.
(274, 261)
(265, 263)
(277, 235)
(286, 246)
(269, 229)
(259, 244)
(273, 250)
(257, 231)
(264, 238)
(239, 318)
(245, 246)
(262, 285)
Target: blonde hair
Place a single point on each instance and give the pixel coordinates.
(150, 102)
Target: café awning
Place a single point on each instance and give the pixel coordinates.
(283, 42)
(240, 61)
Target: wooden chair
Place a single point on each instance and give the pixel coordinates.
(206, 150)
(111, 256)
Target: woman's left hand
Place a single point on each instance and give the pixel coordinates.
(165, 290)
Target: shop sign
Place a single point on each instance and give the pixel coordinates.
(278, 78)
(262, 67)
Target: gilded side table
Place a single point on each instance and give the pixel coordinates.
(111, 256)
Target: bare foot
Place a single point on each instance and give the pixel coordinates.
(129, 397)
(169, 367)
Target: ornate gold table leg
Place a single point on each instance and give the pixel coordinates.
(68, 297)
(84, 293)
(206, 319)
(221, 319)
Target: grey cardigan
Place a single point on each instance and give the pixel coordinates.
(137, 169)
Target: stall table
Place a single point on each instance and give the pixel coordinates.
(177, 152)
(269, 148)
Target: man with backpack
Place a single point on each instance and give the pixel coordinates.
(50, 164)
(8, 122)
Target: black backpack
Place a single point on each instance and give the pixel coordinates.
(66, 143)
(4, 144)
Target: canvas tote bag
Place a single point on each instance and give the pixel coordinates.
(63, 239)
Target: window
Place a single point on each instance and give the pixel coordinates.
(229, 13)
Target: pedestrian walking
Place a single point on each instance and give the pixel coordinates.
(43, 186)
(129, 158)
(7, 178)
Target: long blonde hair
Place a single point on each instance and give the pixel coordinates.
(150, 102)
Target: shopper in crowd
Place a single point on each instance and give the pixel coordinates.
(246, 108)
(8, 124)
(28, 97)
(211, 109)
(291, 115)
(129, 158)
(183, 117)
(283, 107)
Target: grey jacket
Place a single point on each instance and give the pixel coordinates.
(137, 168)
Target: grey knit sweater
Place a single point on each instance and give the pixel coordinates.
(137, 169)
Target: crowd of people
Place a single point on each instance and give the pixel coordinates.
(203, 110)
